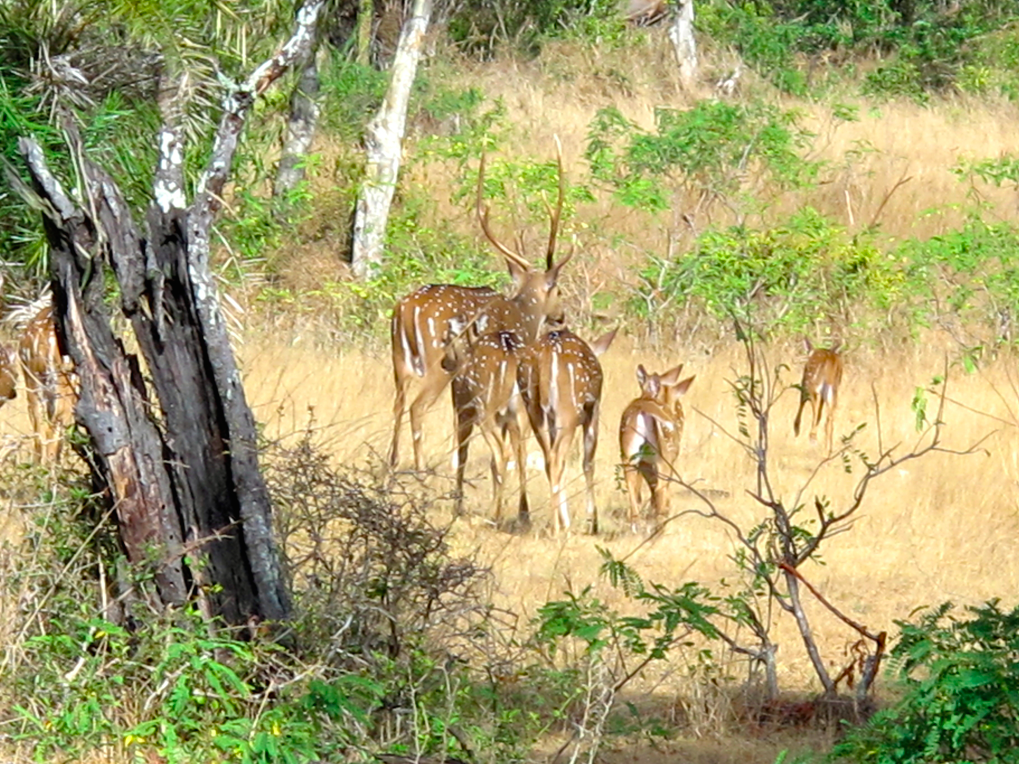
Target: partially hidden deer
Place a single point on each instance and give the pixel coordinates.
(421, 322)
(560, 381)
(650, 431)
(49, 386)
(485, 395)
(822, 375)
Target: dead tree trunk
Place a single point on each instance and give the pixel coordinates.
(193, 487)
(383, 144)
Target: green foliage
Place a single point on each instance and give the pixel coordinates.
(99, 65)
(933, 46)
(810, 273)
(715, 150)
(477, 24)
(795, 277)
(351, 95)
(960, 702)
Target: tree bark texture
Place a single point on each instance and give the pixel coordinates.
(384, 144)
(681, 34)
(196, 485)
(129, 453)
(301, 126)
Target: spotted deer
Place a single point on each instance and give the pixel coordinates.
(822, 376)
(421, 320)
(650, 432)
(485, 395)
(49, 389)
(560, 381)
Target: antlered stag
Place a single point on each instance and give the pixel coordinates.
(560, 381)
(421, 321)
(650, 432)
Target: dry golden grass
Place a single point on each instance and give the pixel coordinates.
(940, 528)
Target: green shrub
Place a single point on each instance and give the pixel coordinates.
(715, 151)
(795, 277)
(959, 679)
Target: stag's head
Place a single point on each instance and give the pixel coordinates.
(537, 290)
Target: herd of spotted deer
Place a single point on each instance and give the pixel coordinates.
(512, 363)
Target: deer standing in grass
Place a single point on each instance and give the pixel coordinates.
(485, 394)
(822, 376)
(560, 381)
(48, 384)
(650, 432)
(421, 321)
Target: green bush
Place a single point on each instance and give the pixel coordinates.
(794, 278)
(714, 151)
(959, 679)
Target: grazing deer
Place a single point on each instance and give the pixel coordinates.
(8, 374)
(421, 320)
(822, 376)
(485, 394)
(48, 385)
(560, 381)
(650, 432)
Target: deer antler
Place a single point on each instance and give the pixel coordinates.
(555, 216)
(483, 218)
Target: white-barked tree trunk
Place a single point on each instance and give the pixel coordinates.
(681, 34)
(383, 145)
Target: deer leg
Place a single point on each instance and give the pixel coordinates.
(818, 403)
(590, 446)
(421, 403)
(799, 414)
(633, 476)
(512, 432)
(829, 423)
(555, 468)
(399, 406)
(464, 427)
(496, 440)
(37, 419)
(516, 438)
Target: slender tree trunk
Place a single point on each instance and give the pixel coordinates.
(365, 17)
(301, 127)
(383, 143)
(195, 488)
(681, 34)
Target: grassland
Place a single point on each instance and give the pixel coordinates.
(940, 529)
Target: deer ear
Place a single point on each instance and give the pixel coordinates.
(671, 377)
(552, 274)
(601, 344)
(683, 386)
(641, 375)
(517, 272)
(808, 344)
